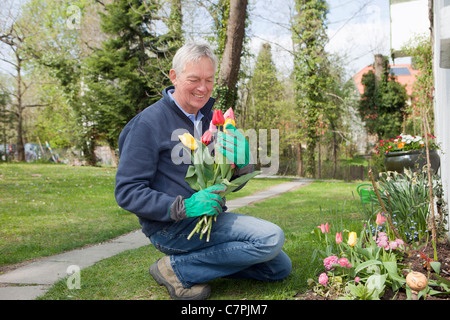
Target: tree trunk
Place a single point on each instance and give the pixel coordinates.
(20, 143)
(299, 160)
(231, 59)
(378, 66)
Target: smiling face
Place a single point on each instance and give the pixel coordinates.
(193, 86)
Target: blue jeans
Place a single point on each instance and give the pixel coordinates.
(240, 246)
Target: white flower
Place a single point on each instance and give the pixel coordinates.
(407, 137)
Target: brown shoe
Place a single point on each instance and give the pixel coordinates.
(164, 275)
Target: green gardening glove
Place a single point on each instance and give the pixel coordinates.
(234, 146)
(206, 201)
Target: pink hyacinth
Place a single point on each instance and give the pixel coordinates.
(400, 243)
(344, 263)
(329, 261)
(323, 279)
(382, 240)
(393, 245)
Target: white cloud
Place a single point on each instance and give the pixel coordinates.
(359, 42)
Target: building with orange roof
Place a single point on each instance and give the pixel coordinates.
(404, 74)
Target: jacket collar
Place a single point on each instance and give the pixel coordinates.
(206, 110)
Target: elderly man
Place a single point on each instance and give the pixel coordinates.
(151, 185)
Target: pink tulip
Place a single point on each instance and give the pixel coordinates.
(380, 219)
(212, 127)
(229, 114)
(324, 227)
(338, 237)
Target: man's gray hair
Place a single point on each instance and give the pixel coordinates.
(192, 52)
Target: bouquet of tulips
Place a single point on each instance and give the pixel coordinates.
(211, 168)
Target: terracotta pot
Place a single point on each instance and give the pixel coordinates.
(413, 160)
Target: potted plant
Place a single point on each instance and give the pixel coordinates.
(407, 151)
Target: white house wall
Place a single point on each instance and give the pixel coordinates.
(408, 20)
(442, 89)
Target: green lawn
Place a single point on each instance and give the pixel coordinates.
(47, 209)
(125, 276)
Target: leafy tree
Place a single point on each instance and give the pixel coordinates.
(129, 72)
(309, 37)
(383, 104)
(267, 91)
(6, 120)
(339, 99)
(15, 38)
(49, 62)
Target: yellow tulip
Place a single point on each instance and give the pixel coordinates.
(352, 239)
(188, 140)
(228, 121)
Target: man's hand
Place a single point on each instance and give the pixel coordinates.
(206, 201)
(234, 146)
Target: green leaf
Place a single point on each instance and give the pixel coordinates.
(443, 282)
(436, 266)
(391, 267)
(192, 179)
(367, 264)
(233, 185)
(397, 280)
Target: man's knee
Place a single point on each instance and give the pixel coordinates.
(272, 240)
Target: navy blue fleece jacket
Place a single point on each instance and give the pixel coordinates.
(147, 180)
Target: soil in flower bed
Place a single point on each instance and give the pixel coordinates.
(413, 262)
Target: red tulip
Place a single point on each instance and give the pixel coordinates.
(218, 118)
(206, 138)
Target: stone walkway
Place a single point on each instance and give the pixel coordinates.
(34, 279)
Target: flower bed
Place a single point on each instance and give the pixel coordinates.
(413, 261)
(374, 264)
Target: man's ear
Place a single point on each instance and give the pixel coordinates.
(173, 76)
